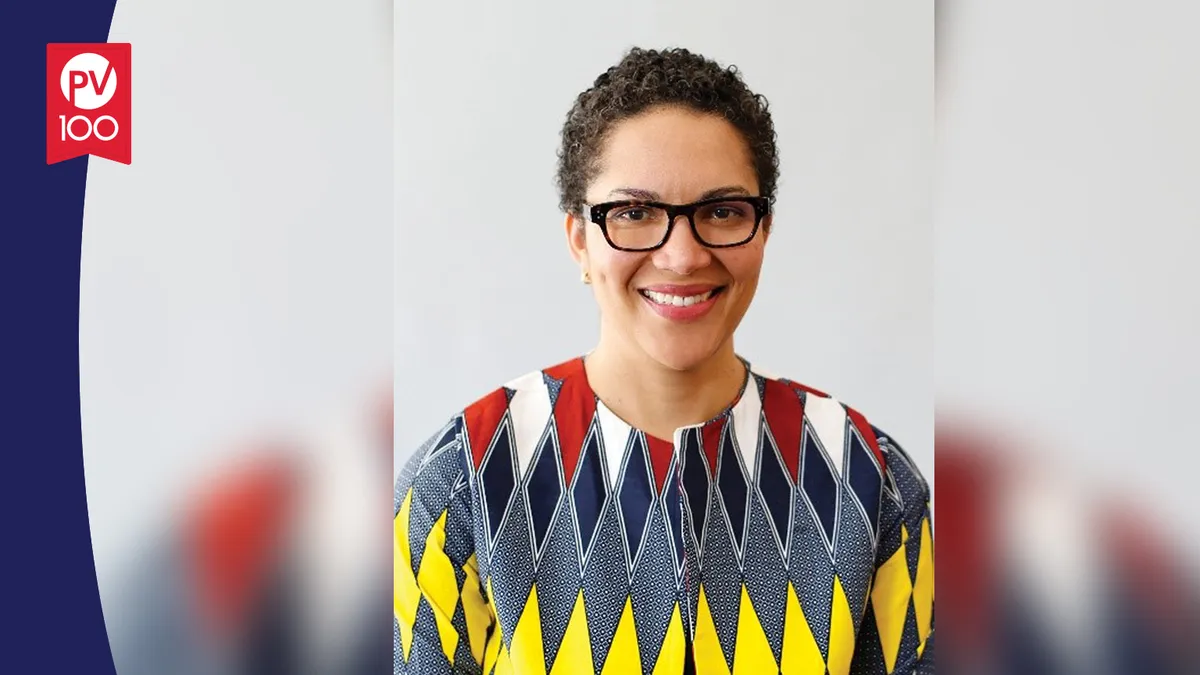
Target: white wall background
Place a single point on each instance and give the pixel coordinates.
(1068, 225)
(236, 278)
(845, 302)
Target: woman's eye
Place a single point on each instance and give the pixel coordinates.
(726, 212)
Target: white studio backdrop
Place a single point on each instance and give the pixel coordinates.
(236, 278)
(1066, 237)
(485, 294)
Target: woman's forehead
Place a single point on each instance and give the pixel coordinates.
(674, 155)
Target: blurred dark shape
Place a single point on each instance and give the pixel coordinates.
(1038, 575)
(236, 583)
(234, 538)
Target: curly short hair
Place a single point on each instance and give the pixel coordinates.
(647, 78)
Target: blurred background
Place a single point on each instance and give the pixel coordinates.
(236, 340)
(1067, 219)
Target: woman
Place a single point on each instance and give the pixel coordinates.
(660, 505)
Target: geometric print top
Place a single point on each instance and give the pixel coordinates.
(538, 533)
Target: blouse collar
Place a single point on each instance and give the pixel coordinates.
(577, 369)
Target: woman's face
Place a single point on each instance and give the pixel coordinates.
(677, 156)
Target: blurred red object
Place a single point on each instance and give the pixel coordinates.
(1040, 574)
(234, 536)
(273, 564)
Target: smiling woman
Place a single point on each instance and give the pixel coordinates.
(659, 504)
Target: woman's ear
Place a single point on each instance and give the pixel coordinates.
(576, 231)
(768, 220)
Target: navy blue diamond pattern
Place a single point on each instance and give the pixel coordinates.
(426, 660)
(866, 481)
(690, 584)
(722, 578)
(854, 543)
(512, 561)
(868, 646)
(636, 495)
(651, 604)
(766, 580)
(397, 649)
(909, 638)
(557, 584)
(543, 488)
(774, 488)
(672, 506)
(604, 592)
(447, 439)
(695, 484)
(442, 470)
(732, 485)
(498, 477)
(721, 526)
(458, 519)
(462, 653)
(811, 573)
(590, 491)
(819, 485)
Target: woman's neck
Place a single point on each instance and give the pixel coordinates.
(656, 399)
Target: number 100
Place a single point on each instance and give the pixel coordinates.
(93, 128)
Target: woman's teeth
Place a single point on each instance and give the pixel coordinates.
(677, 300)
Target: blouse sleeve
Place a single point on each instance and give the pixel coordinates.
(441, 618)
(897, 631)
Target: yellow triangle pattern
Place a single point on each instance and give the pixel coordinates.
(891, 592)
(672, 655)
(504, 664)
(841, 632)
(623, 656)
(801, 653)
(753, 654)
(526, 650)
(436, 579)
(491, 653)
(575, 652)
(707, 647)
(405, 593)
(889, 599)
(923, 587)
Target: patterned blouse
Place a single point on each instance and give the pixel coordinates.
(538, 533)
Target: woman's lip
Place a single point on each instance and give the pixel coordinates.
(683, 313)
(681, 290)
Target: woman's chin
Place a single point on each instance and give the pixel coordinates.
(682, 355)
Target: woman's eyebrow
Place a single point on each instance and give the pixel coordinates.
(727, 191)
(635, 193)
(650, 195)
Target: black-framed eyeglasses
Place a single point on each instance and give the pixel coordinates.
(721, 222)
